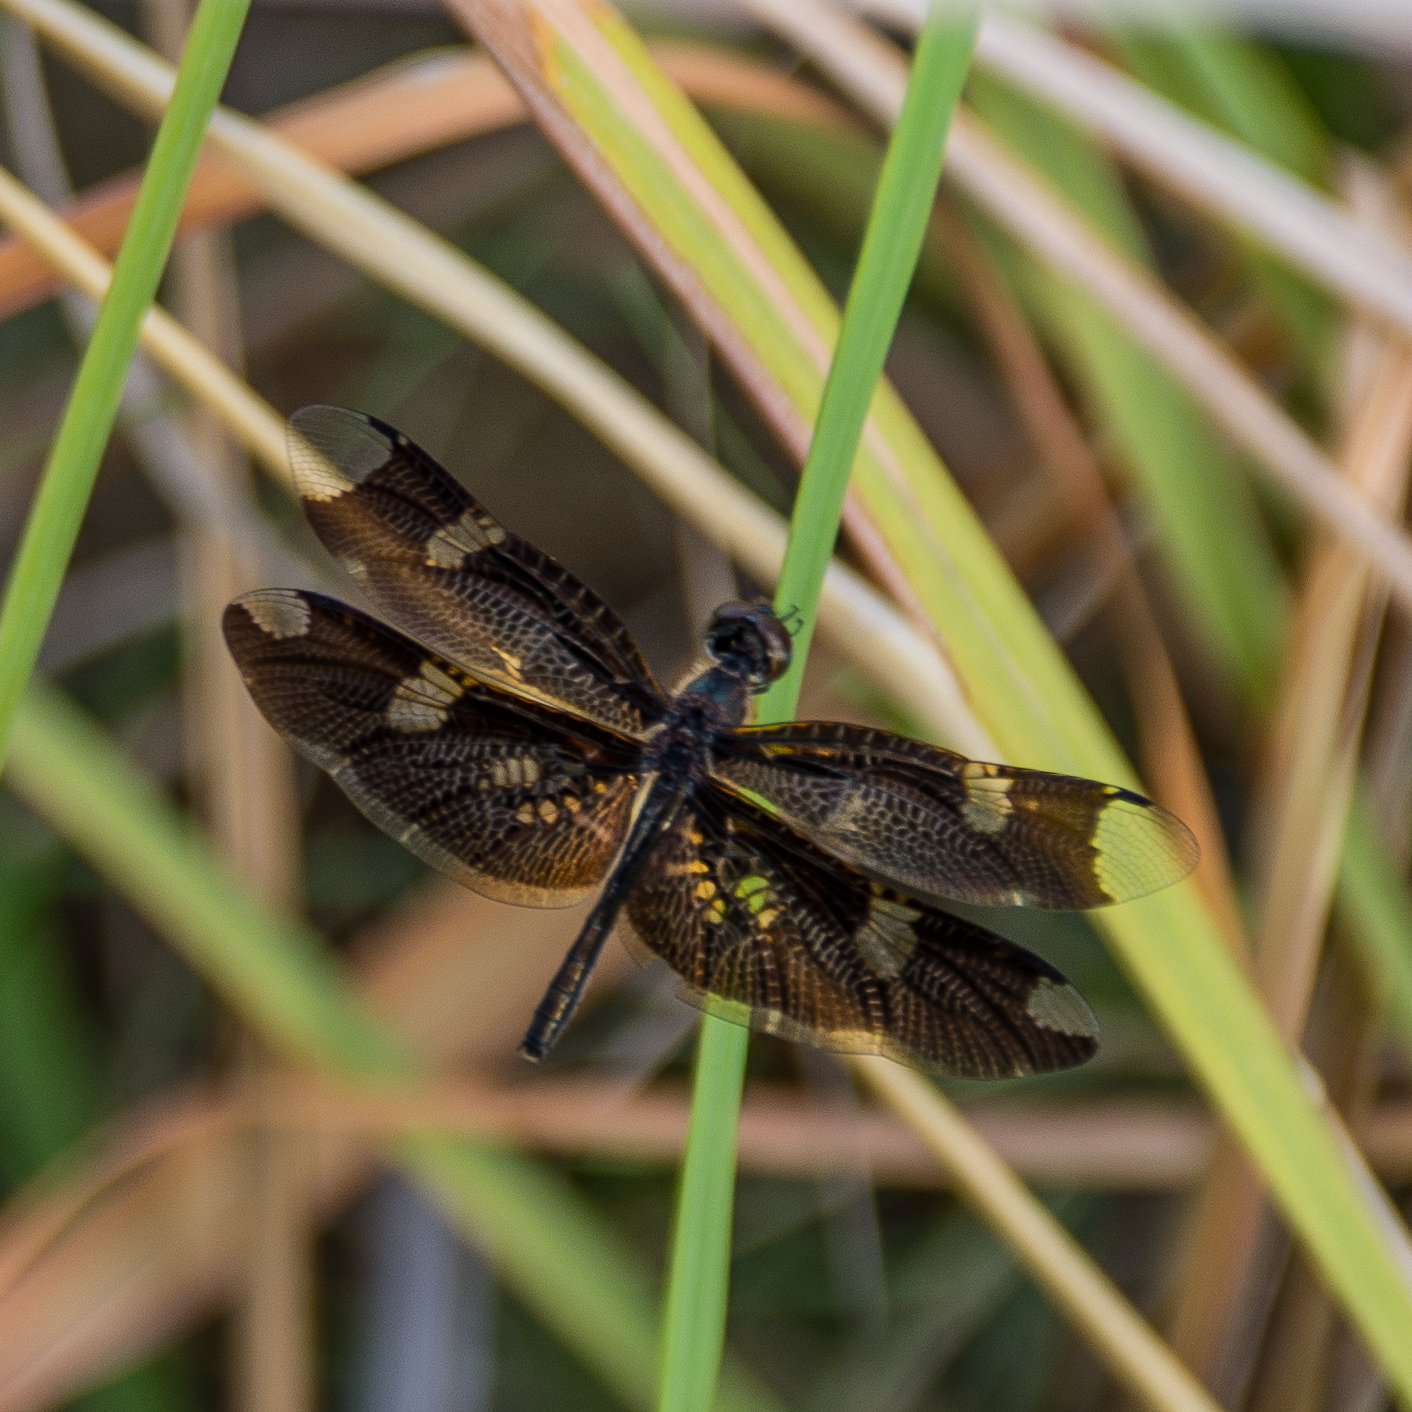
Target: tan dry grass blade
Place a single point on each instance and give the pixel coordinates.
(1314, 744)
(1145, 1366)
(874, 75)
(243, 777)
(1128, 1144)
(1122, 1144)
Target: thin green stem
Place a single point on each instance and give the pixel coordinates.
(698, 1280)
(93, 403)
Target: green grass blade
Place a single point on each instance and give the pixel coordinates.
(73, 461)
(278, 976)
(891, 244)
(698, 1277)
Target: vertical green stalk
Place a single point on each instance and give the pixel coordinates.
(93, 403)
(695, 1317)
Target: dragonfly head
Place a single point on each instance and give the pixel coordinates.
(748, 642)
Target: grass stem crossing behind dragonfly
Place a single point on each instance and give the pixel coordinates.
(793, 876)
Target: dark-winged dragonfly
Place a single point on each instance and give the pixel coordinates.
(513, 737)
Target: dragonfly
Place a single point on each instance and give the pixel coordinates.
(795, 877)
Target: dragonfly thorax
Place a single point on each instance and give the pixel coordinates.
(709, 703)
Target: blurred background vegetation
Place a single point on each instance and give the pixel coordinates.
(189, 1257)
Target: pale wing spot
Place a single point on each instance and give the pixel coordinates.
(448, 546)
(438, 682)
(529, 769)
(316, 476)
(705, 889)
(441, 553)
(407, 712)
(281, 614)
(987, 807)
(548, 810)
(887, 939)
(420, 703)
(525, 813)
(1057, 1006)
(572, 804)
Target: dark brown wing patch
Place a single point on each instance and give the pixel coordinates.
(504, 795)
(442, 567)
(941, 826)
(767, 931)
